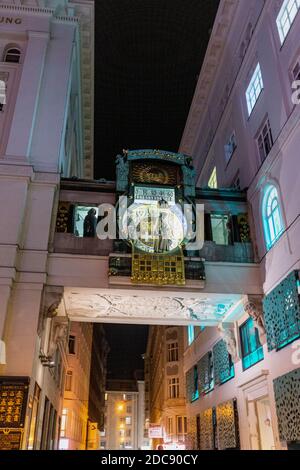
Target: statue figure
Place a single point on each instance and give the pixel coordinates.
(122, 169)
(227, 334)
(189, 179)
(255, 312)
(60, 331)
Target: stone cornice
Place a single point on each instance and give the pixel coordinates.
(221, 30)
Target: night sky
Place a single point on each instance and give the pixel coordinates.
(127, 344)
(148, 55)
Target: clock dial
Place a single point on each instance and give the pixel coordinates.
(156, 227)
(155, 173)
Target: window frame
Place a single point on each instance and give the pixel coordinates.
(173, 351)
(256, 83)
(17, 52)
(173, 388)
(258, 349)
(268, 216)
(263, 151)
(284, 11)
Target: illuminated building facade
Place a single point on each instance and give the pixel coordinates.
(243, 131)
(124, 426)
(74, 430)
(166, 384)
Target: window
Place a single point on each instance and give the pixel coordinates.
(191, 334)
(12, 55)
(286, 16)
(230, 147)
(265, 141)
(63, 426)
(254, 89)
(173, 352)
(170, 426)
(195, 395)
(272, 218)
(128, 420)
(69, 377)
(85, 221)
(128, 432)
(181, 427)
(129, 409)
(236, 183)
(213, 181)
(173, 386)
(219, 226)
(72, 341)
(33, 419)
(252, 350)
(2, 94)
(296, 71)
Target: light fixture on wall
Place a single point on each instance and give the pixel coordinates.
(47, 361)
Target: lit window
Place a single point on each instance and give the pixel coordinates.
(272, 218)
(181, 427)
(195, 384)
(286, 16)
(220, 228)
(2, 94)
(173, 388)
(265, 141)
(252, 350)
(213, 181)
(170, 426)
(12, 55)
(128, 420)
(173, 352)
(63, 426)
(191, 334)
(254, 89)
(69, 376)
(230, 147)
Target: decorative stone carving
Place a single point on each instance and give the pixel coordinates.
(103, 305)
(253, 308)
(51, 300)
(59, 333)
(122, 169)
(228, 336)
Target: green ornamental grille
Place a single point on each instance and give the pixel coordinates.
(282, 313)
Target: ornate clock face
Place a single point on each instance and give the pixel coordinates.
(156, 226)
(155, 173)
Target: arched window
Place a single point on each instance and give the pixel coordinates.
(272, 216)
(12, 54)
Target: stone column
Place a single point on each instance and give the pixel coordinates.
(4, 296)
(253, 307)
(19, 141)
